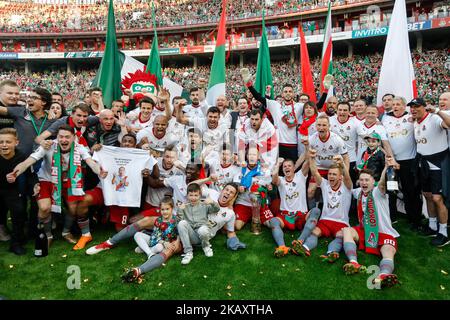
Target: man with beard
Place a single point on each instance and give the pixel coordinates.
(194, 110)
(286, 116)
(29, 122)
(60, 176)
(430, 126)
(213, 134)
(258, 131)
(224, 219)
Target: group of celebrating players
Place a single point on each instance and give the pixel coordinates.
(287, 165)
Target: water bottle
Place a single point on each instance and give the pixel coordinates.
(41, 244)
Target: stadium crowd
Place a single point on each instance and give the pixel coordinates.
(38, 17)
(432, 77)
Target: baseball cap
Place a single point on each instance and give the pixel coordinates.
(417, 102)
(373, 135)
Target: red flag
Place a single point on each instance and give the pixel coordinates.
(307, 79)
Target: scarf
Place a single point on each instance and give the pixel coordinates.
(75, 186)
(365, 158)
(289, 117)
(79, 133)
(307, 122)
(246, 180)
(368, 219)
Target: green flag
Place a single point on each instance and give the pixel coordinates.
(108, 74)
(263, 72)
(154, 62)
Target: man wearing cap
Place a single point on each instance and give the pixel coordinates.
(400, 128)
(432, 154)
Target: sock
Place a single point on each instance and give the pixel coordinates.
(83, 224)
(311, 242)
(125, 233)
(335, 245)
(47, 222)
(432, 222)
(142, 242)
(152, 263)
(68, 222)
(277, 233)
(310, 224)
(443, 229)
(350, 251)
(386, 266)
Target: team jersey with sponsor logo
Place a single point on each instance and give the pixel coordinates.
(400, 132)
(291, 113)
(430, 137)
(347, 131)
(293, 193)
(336, 203)
(225, 217)
(225, 174)
(155, 195)
(179, 186)
(382, 205)
(326, 149)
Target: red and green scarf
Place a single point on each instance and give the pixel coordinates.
(75, 175)
(368, 219)
(307, 122)
(365, 158)
(78, 132)
(289, 117)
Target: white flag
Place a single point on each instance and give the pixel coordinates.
(397, 73)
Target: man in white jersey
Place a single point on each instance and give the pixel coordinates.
(60, 178)
(156, 137)
(293, 212)
(223, 219)
(213, 134)
(359, 110)
(369, 125)
(223, 168)
(430, 126)
(337, 196)
(194, 110)
(374, 234)
(400, 129)
(345, 127)
(327, 144)
(260, 132)
(286, 116)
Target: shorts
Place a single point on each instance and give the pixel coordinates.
(292, 220)
(383, 239)
(119, 215)
(97, 196)
(244, 213)
(330, 228)
(150, 211)
(46, 191)
(323, 173)
(432, 183)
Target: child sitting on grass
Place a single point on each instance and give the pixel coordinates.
(164, 231)
(193, 225)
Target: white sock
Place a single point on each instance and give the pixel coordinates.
(432, 222)
(443, 229)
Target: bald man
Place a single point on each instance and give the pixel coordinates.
(156, 137)
(108, 131)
